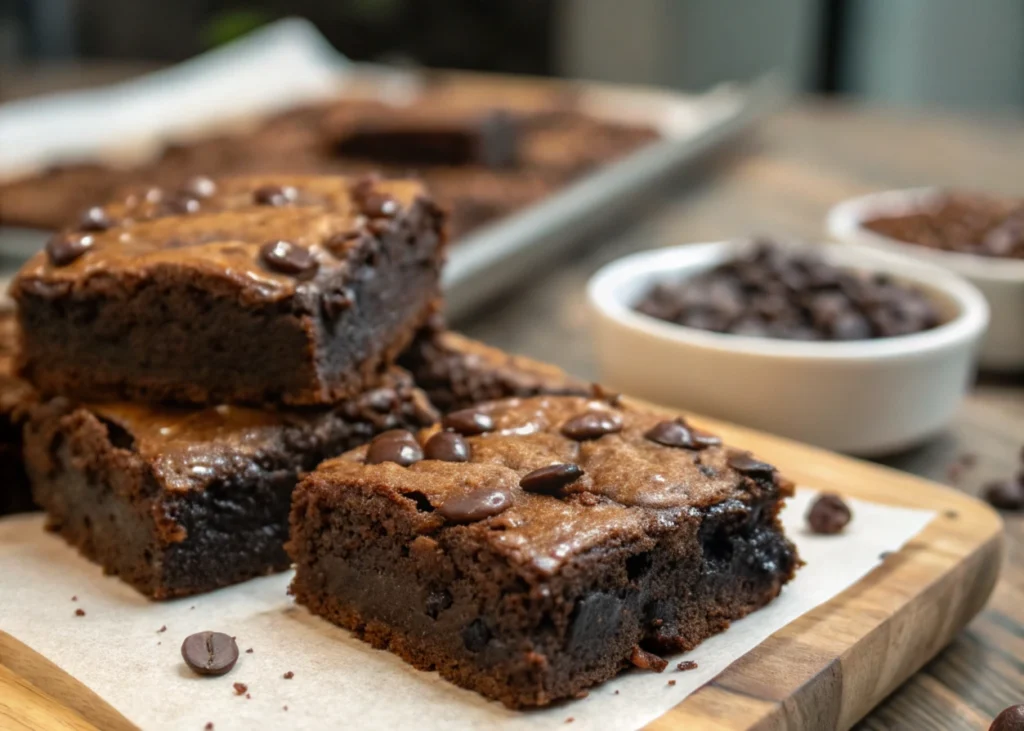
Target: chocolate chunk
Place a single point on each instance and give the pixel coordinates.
(828, 514)
(200, 187)
(1005, 494)
(468, 422)
(447, 446)
(551, 480)
(645, 660)
(1009, 719)
(275, 195)
(210, 653)
(94, 219)
(672, 433)
(592, 425)
(686, 665)
(64, 248)
(287, 258)
(396, 446)
(478, 504)
(743, 462)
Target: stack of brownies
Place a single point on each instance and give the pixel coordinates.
(209, 358)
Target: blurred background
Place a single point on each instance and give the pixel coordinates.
(945, 53)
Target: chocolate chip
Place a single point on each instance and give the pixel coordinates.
(447, 446)
(200, 187)
(672, 433)
(95, 219)
(210, 653)
(743, 462)
(551, 480)
(275, 195)
(373, 203)
(437, 602)
(396, 446)
(287, 258)
(476, 635)
(592, 425)
(64, 248)
(1005, 494)
(484, 502)
(468, 422)
(686, 665)
(828, 514)
(645, 660)
(1010, 719)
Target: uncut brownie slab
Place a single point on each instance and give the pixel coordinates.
(540, 545)
(16, 396)
(178, 501)
(243, 290)
(457, 372)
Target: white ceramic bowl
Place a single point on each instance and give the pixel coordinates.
(868, 397)
(1000, 280)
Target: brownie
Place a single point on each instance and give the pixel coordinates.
(245, 290)
(541, 545)
(458, 372)
(16, 396)
(967, 223)
(791, 293)
(178, 501)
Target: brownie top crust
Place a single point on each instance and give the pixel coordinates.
(262, 236)
(541, 480)
(191, 449)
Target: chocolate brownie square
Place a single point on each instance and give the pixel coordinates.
(178, 501)
(244, 290)
(16, 397)
(535, 547)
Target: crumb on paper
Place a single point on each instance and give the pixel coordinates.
(289, 675)
(645, 660)
(570, 719)
(249, 651)
(208, 726)
(240, 688)
(671, 682)
(686, 665)
(74, 598)
(79, 612)
(162, 629)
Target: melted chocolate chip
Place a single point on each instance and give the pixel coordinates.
(1009, 719)
(743, 462)
(551, 480)
(479, 504)
(469, 422)
(828, 514)
(210, 653)
(447, 446)
(672, 433)
(95, 219)
(275, 195)
(64, 248)
(592, 425)
(287, 258)
(200, 187)
(396, 446)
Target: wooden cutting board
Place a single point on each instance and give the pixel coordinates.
(824, 671)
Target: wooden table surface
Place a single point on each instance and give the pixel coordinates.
(781, 179)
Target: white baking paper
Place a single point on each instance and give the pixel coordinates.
(340, 682)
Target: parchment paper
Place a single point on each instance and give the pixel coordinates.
(340, 682)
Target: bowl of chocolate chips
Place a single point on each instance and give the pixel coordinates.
(849, 349)
(980, 237)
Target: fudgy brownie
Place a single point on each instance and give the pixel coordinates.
(16, 397)
(180, 501)
(243, 290)
(538, 546)
(458, 372)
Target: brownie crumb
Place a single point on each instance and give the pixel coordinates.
(289, 675)
(192, 607)
(285, 708)
(208, 726)
(79, 612)
(570, 719)
(671, 682)
(616, 691)
(249, 651)
(828, 514)
(240, 688)
(647, 660)
(686, 665)
(163, 628)
(248, 697)
(74, 598)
